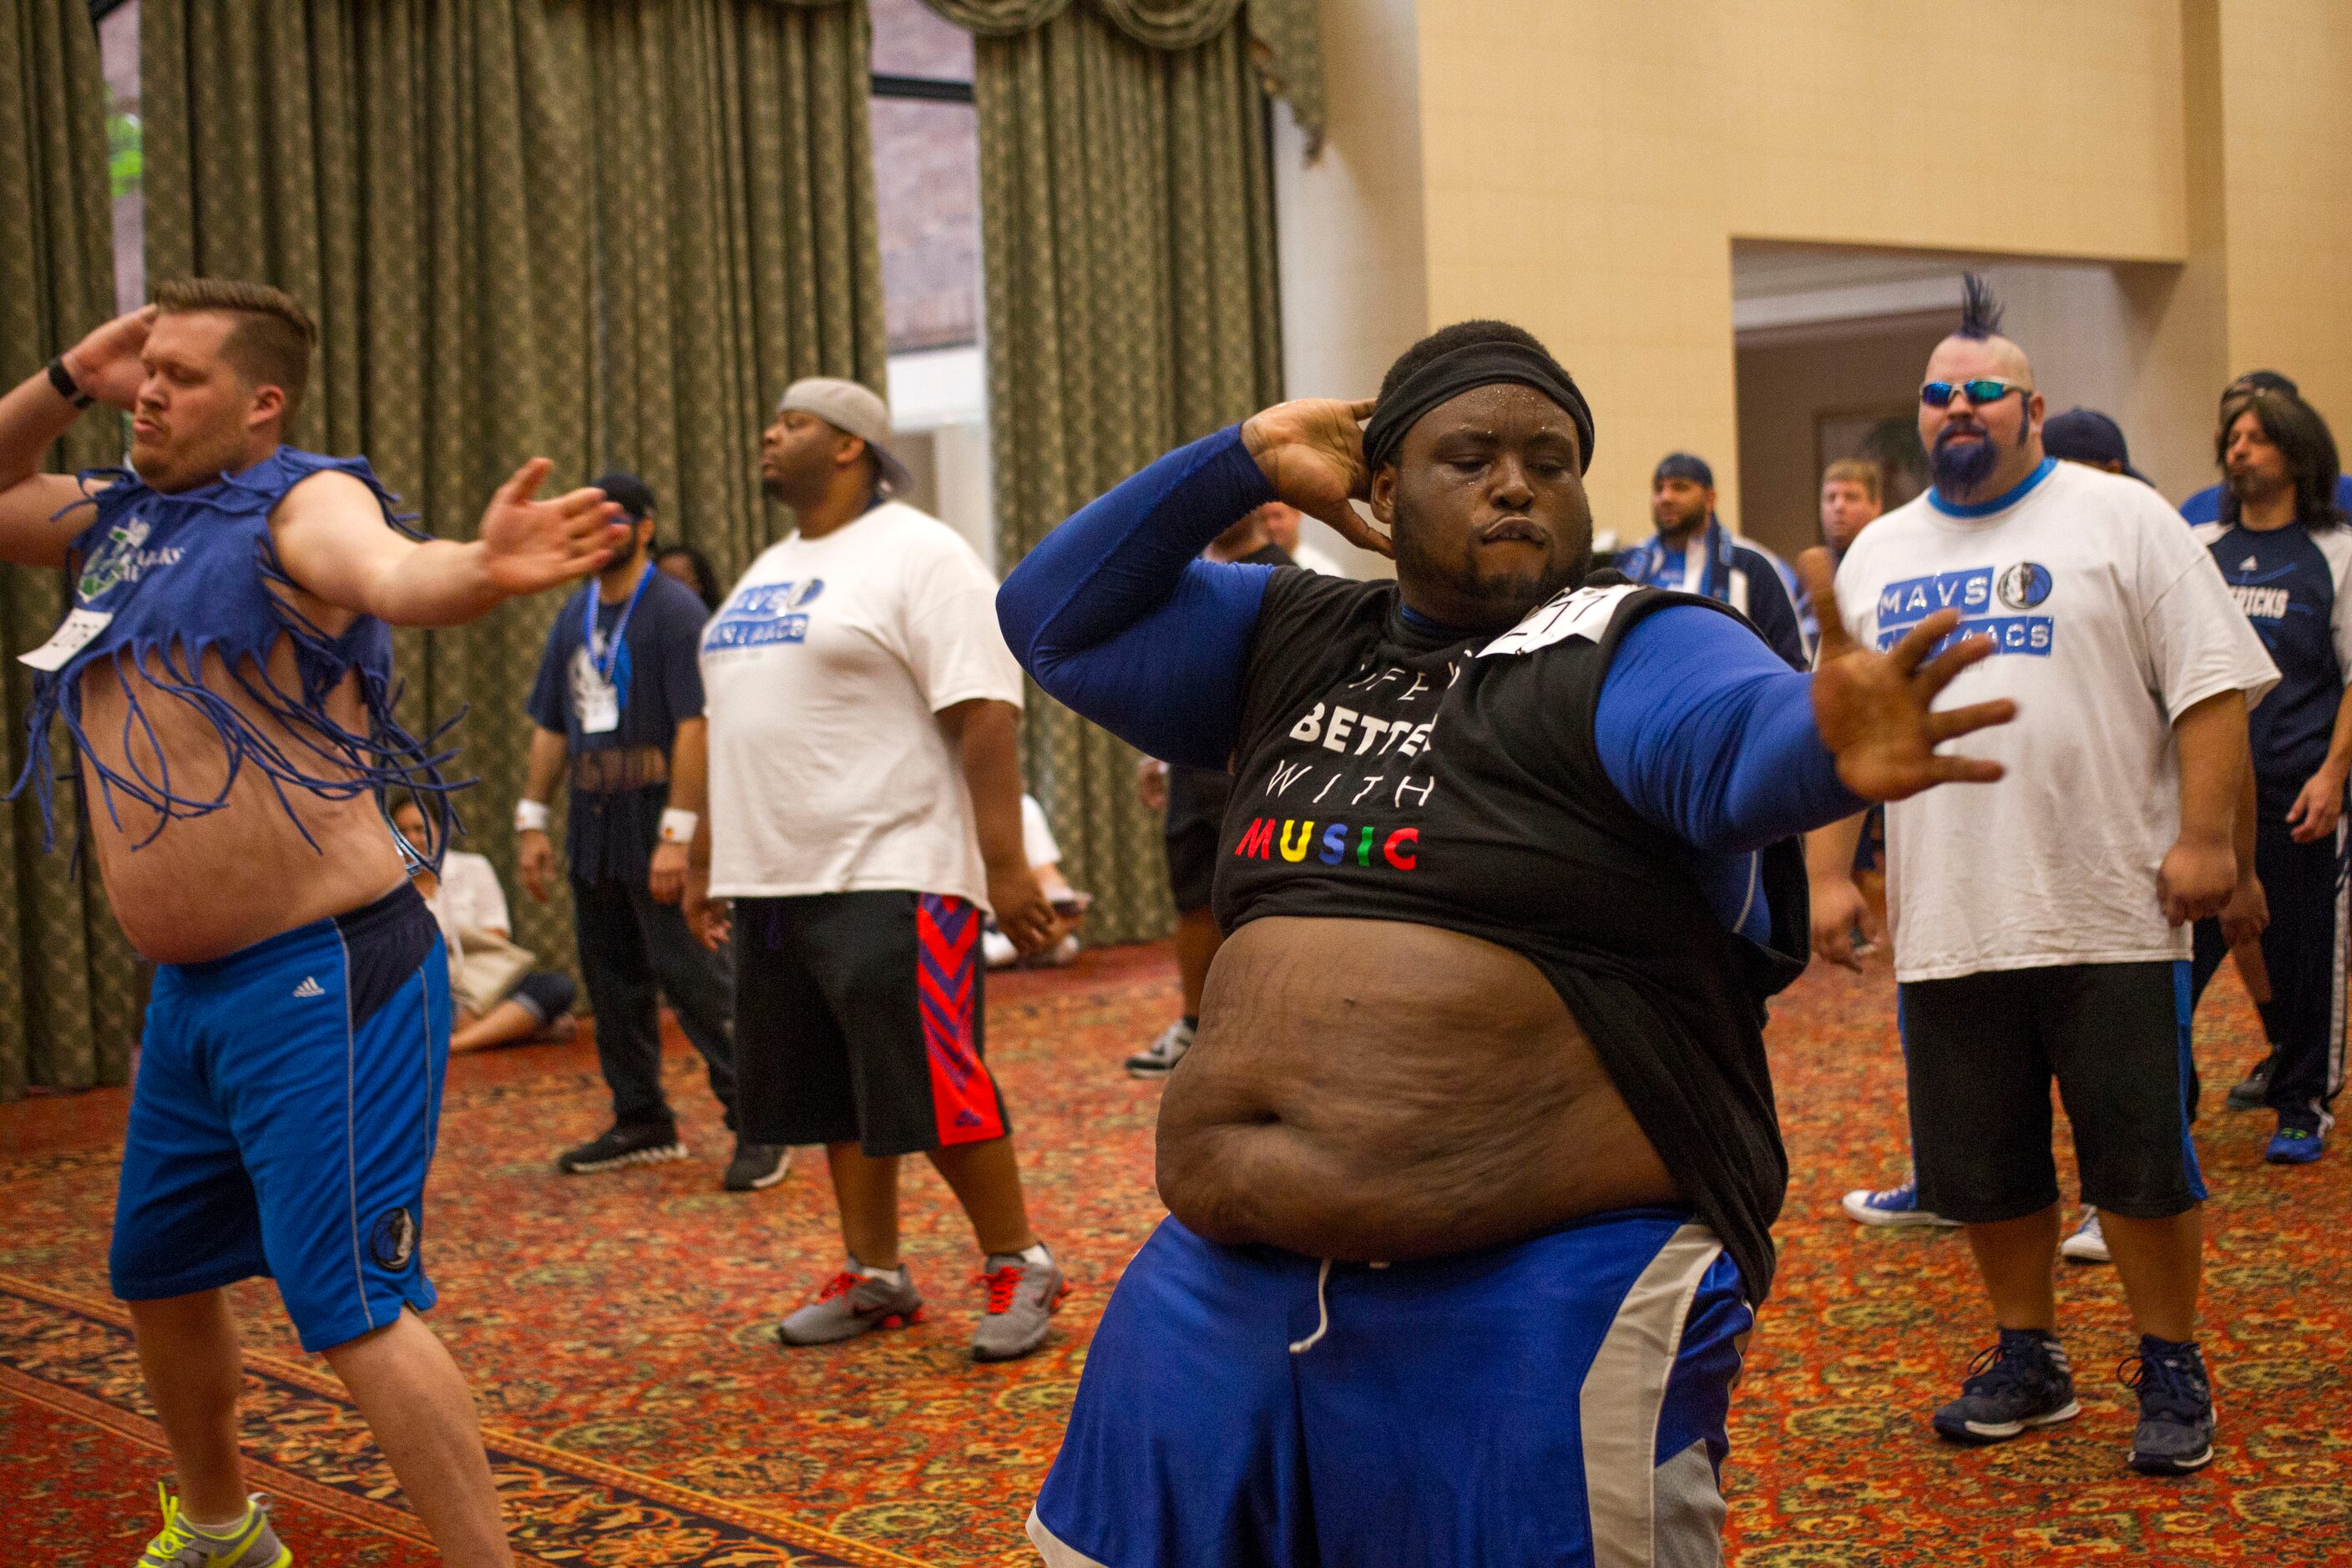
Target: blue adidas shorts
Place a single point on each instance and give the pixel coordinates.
(283, 1119)
(1558, 1400)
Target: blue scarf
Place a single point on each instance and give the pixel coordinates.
(1652, 565)
(191, 574)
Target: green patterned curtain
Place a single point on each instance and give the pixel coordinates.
(68, 983)
(737, 243)
(431, 177)
(1285, 35)
(411, 170)
(1126, 221)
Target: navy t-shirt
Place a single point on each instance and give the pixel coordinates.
(2292, 584)
(657, 683)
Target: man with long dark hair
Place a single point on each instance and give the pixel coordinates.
(1472, 1165)
(2205, 506)
(2283, 547)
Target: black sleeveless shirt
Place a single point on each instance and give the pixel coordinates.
(1386, 773)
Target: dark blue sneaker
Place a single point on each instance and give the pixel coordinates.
(2023, 1381)
(2301, 1138)
(2176, 1408)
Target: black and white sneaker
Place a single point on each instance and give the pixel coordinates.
(1159, 1058)
(2021, 1382)
(616, 1146)
(757, 1165)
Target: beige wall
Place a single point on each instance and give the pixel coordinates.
(1586, 164)
(2287, 165)
(1583, 167)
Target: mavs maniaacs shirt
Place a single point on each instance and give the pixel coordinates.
(824, 674)
(2109, 622)
(2292, 585)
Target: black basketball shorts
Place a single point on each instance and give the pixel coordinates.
(1981, 1051)
(858, 1020)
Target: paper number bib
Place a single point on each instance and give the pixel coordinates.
(67, 640)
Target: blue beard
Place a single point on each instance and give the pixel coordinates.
(1960, 467)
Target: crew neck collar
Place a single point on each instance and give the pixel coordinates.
(2000, 502)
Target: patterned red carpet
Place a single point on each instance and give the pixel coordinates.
(617, 1331)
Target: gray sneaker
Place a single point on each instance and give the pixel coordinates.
(853, 1303)
(1022, 1297)
(252, 1544)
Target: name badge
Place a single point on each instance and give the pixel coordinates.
(1575, 613)
(67, 640)
(598, 704)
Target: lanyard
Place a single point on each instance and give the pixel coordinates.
(611, 658)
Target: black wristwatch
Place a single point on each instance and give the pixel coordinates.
(67, 388)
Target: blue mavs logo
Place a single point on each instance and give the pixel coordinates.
(1902, 605)
(766, 614)
(2024, 586)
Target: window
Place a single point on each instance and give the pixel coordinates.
(927, 194)
(118, 50)
(926, 177)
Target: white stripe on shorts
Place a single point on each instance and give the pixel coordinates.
(1623, 1393)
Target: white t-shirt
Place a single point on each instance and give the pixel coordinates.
(2111, 621)
(822, 676)
(468, 898)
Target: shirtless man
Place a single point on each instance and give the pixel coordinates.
(1471, 1166)
(226, 677)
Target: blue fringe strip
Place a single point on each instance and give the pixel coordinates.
(385, 760)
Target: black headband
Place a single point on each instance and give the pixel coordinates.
(1466, 369)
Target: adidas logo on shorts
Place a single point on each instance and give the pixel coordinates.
(309, 987)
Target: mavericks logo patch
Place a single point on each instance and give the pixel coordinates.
(2024, 586)
(122, 558)
(393, 1238)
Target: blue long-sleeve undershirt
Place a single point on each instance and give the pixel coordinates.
(1115, 614)
(1701, 727)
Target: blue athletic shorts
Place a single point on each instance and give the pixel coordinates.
(1558, 1401)
(283, 1119)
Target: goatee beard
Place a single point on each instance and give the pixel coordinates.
(1962, 465)
(2247, 486)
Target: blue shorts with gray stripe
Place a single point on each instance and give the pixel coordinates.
(1558, 1401)
(283, 1119)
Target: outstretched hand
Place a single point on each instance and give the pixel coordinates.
(530, 544)
(1312, 452)
(1873, 708)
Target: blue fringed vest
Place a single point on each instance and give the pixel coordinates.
(191, 574)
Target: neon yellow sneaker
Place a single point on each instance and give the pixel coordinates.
(252, 1544)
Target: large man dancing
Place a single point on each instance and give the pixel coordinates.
(226, 674)
(1472, 1167)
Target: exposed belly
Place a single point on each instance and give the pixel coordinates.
(207, 886)
(1369, 1089)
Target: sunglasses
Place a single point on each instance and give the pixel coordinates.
(1980, 392)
